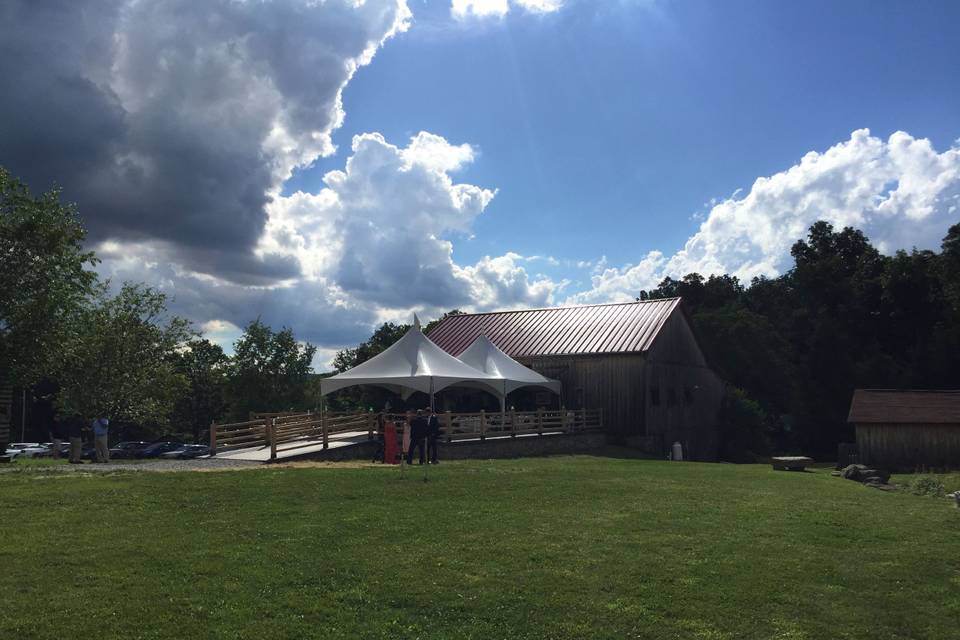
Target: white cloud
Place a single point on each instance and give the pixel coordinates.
(479, 8)
(540, 6)
(374, 245)
(901, 192)
(464, 9)
(380, 230)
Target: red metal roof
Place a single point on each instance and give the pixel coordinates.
(628, 327)
(891, 406)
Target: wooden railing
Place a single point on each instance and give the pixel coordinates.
(482, 425)
(309, 429)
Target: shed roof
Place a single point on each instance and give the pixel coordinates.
(628, 327)
(905, 407)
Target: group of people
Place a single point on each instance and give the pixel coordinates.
(421, 434)
(71, 428)
(424, 433)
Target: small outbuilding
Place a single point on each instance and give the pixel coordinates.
(638, 362)
(905, 430)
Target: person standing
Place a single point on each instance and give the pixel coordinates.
(433, 434)
(75, 431)
(101, 428)
(56, 436)
(418, 432)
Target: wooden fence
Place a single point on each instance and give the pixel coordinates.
(310, 429)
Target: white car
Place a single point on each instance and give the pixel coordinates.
(25, 449)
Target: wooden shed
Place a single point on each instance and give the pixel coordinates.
(905, 430)
(639, 362)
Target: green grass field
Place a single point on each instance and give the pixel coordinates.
(564, 547)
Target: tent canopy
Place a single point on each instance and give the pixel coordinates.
(487, 357)
(413, 363)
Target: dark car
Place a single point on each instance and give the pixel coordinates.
(155, 449)
(187, 451)
(127, 449)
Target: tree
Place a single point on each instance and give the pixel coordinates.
(45, 278)
(383, 338)
(120, 360)
(203, 366)
(270, 371)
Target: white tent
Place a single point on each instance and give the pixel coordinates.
(487, 357)
(413, 363)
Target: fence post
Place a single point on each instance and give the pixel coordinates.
(449, 419)
(483, 424)
(370, 424)
(213, 438)
(272, 433)
(583, 419)
(600, 418)
(323, 427)
(539, 421)
(563, 419)
(513, 423)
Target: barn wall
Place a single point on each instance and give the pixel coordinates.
(683, 394)
(613, 383)
(906, 447)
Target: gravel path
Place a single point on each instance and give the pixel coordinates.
(197, 464)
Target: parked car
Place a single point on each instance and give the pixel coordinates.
(48, 450)
(161, 446)
(186, 452)
(127, 448)
(24, 450)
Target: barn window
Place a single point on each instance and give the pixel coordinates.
(671, 397)
(655, 396)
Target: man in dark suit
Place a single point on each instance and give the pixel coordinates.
(433, 433)
(418, 432)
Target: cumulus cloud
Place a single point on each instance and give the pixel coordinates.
(901, 192)
(374, 244)
(463, 9)
(174, 121)
(381, 229)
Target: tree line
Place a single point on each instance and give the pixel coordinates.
(791, 348)
(90, 351)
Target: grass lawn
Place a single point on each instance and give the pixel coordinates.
(564, 547)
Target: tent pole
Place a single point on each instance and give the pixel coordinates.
(503, 407)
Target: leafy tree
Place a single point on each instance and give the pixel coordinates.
(45, 278)
(270, 371)
(744, 427)
(843, 317)
(120, 360)
(203, 366)
(383, 338)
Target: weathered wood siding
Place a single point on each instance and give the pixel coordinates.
(667, 395)
(906, 447)
(611, 382)
(683, 394)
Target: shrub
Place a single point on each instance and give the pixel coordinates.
(926, 486)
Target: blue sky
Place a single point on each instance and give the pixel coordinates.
(332, 166)
(607, 126)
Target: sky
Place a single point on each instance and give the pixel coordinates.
(329, 166)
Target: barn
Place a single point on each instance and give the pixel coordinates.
(906, 430)
(639, 362)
